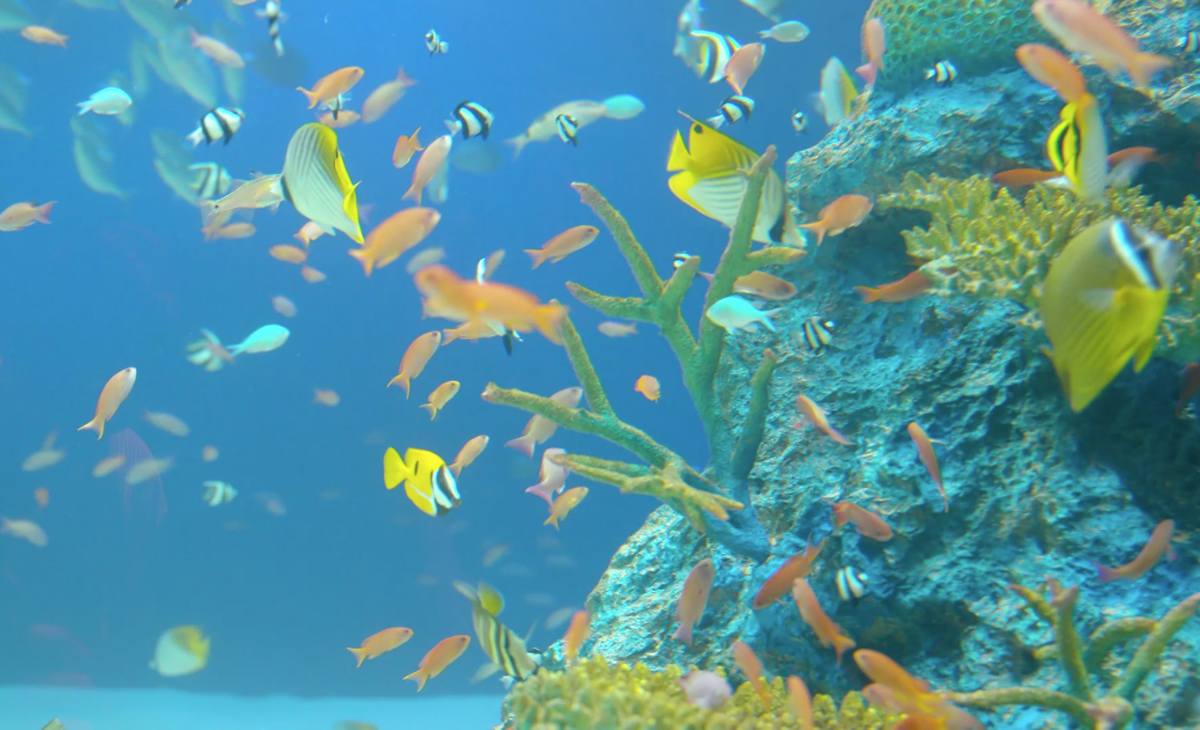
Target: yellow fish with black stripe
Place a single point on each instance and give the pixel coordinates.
(503, 647)
(711, 177)
(316, 182)
(1078, 147)
(1102, 304)
(428, 482)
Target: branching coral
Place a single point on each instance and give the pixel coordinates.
(984, 242)
(595, 694)
(666, 475)
(1114, 708)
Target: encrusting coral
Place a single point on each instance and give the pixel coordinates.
(666, 475)
(596, 695)
(1114, 709)
(985, 242)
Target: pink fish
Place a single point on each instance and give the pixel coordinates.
(693, 599)
(551, 479)
(873, 47)
(742, 65)
(1158, 545)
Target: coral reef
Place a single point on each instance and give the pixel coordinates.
(596, 695)
(733, 443)
(978, 36)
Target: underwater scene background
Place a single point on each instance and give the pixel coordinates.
(749, 444)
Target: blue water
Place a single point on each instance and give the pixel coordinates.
(112, 284)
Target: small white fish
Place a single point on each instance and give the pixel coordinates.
(789, 31)
(472, 118)
(735, 313)
(218, 493)
(851, 585)
(434, 42)
(799, 121)
(218, 124)
(733, 109)
(108, 101)
(264, 339)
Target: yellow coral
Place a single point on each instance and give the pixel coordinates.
(596, 695)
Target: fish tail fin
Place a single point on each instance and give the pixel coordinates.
(524, 444)
(679, 158)
(84, 108)
(413, 193)
(41, 214)
(455, 469)
(840, 645)
(1141, 355)
(433, 410)
(312, 98)
(538, 256)
(816, 228)
(394, 469)
(364, 257)
(404, 380)
(93, 425)
(1144, 66)
(683, 633)
(548, 320)
(421, 677)
(359, 654)
(552, 520)
(867, 71)
(540, 491)
(1107, 575)
(869, 294)
(518, 144)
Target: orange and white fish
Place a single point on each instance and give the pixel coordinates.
(829, 633)
(468, 454)
(539, 429)
(928, 458)
(216, 50)
(22, 215)
(866, 523)
(1052, 70)
(405, 148)
(746, 660)
(44, 36)
(403, 230)
(847, 211)
(385, 96)
(567, 242)
(648, 386)
(428, 166)
(438, 658)
(114, 393)
(742, 65)
(380, 643)
(693, 599)
(1080, 28)
(577, 634)
(440, 396)
(617, 329)
(416, 357)
(24, 529)
(564, 503)
(325, 397)
(450, 296)
(1157, 546)
(910, 287)
(780, 582)
(329, 88)
(873, 46)
(815, 415)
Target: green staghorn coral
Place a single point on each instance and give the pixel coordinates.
(1114, 708)
(733, 446)
(596, 695)
(985, 242)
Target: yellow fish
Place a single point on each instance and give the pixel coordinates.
(428, 482)
(1103, 301)
(316, 182)
(1078, 147)
(712, 179)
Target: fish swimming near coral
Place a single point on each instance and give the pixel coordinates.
(1078, 147)
(502, 646)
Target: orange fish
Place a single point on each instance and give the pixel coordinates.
(44, 36)
(1023, 177)
(800, 702)
(1080, 28)
(760, 284)
(564, 503)
(466, 300)
(910, 287)
(577, 633)
(901, 691)
(438, 658)
(867, 523)
(308, 233)
(326, 397)
(1053, 70)
(440, 396)
(311, 275)
(345, 118)
(1189, 384)
(330, 87)
(390, 239)
(829, 633)
(428, 165)
(22, 215)
(815, 415)
(42, 496)
(405, 148)
(745, 659)
(873, 46)
(647, 385)
(538, 429)
(114, 393)
(780, 582)
(233, 231)
(567, 242)
(288, 253)
(742, 65)
(380, 643)
(1158, 545)
(468, 454)
(209, 454)
(847, 211)
(1145, 155)
(693, 599)
(385, 96)
(416, 357)
(928, 458)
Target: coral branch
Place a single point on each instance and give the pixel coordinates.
(1104, 639)
(588, 379)
(990, 699)
(1148, 653)
(752, 428)
(639, 262)
(1036, 601)
(1067, 640)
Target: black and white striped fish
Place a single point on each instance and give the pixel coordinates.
(818, 334)
(434, 42)
(274, 16)
(472, 118)
(567, 126)
(1189, 43)
(218, 124)
(733, 109)
(943, 73)
(681, 258)
(211, 181)
(503, 647)
(714, 52)
(851, 585)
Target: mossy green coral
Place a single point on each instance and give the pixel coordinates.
(596, 695)
(983, 241)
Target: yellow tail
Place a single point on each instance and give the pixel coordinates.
(359, 654)
(312, 98)
(402, 379)
(97, 427)
(365, 257)
(395, 470)
(421, 676)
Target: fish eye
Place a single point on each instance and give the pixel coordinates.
(697, 128)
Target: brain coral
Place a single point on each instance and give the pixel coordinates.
(977, 36)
